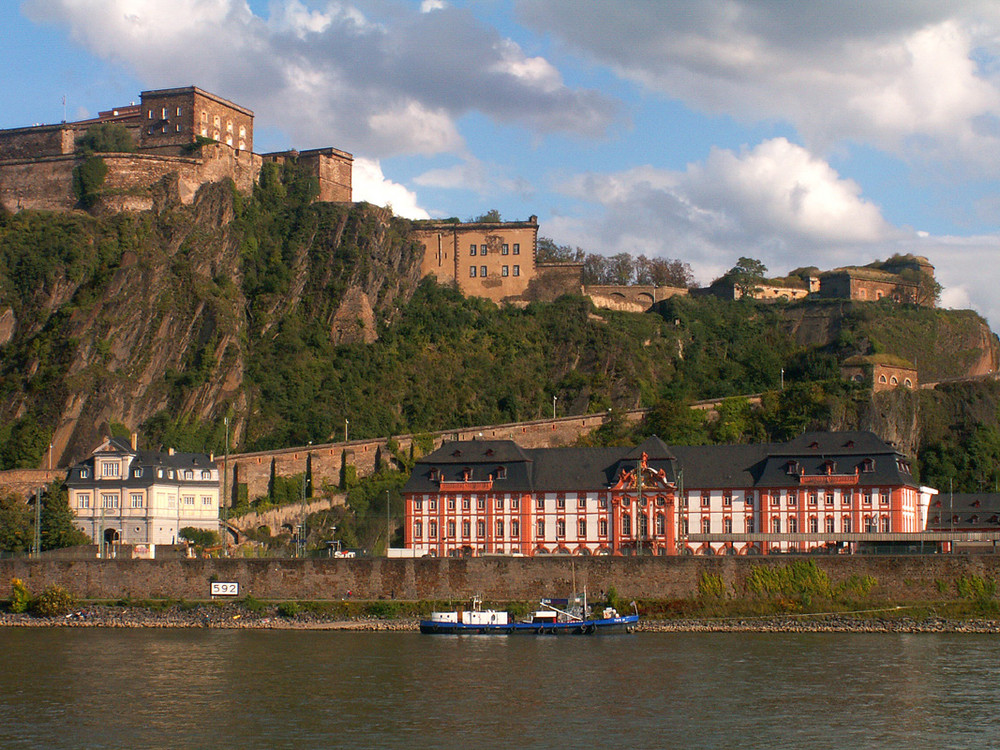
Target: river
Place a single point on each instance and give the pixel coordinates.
(110, 688)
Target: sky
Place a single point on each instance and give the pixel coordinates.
(814, 133)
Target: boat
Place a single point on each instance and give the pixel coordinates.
(553, 617)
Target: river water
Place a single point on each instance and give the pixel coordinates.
(107, 688)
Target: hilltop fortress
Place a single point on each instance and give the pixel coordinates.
(180, 138)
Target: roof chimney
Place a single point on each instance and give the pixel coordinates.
(135, 441)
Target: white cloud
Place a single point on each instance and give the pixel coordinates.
(370, 77)
(486, 180)
(918, 79)
(369, 184)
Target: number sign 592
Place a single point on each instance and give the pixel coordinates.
(225, 588)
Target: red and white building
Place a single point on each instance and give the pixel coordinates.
(494, 497)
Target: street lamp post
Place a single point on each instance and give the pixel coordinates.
(225, 493)
(554, 399)
(345, 430)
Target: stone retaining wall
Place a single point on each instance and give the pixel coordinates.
(897, 579)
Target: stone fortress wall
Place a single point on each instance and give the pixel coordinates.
(169, 129)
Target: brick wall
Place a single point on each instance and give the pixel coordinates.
(897, 579)
(25, 481)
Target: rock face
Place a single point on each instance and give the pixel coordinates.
(354, 320)
(156, 315)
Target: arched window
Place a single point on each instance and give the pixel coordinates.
(846, 525)
(881, 379)
(893, 380)
(418, 529)
(643, 526)
(885, 524)
(829, 524)
(793, 525)
(727, 525)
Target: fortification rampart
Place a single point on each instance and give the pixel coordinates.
(918, 578)
(634, 298)
(25, 481)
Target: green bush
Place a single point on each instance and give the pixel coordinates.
(20, 597)
(976, 588)
(711, 586)
(88, 178)
(798, 579)
(53, 601)
(289, 609)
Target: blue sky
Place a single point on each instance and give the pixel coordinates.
(812, 133)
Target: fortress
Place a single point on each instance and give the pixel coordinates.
(181, 138)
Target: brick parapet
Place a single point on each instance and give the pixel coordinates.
(898, 579)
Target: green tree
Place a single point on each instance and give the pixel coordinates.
(747, 276)
(58, 530)
(106, 138)
(490, 217)
(16, 524)
(676, 423)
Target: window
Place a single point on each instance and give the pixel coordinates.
(432, 529)
(501, 472)
(480, 503)
(793, 525)
(560, 502)
(813, 497)
(163, 112)
(189, 474)
(149, 114)
(846, 524)
(204, 116)
(540, 529)
(775, 525)
(793, 499)
(706, 526)
(661, 524)
(480, 528)
(159, 473)
(517, 251)
(517, 271)
(749, 525)
(505, 271)
(829, 497)
(643, 527)
(727, 525)
(500, 529)
(482, 271)
(482, 249)
(229, 126)
(602, 527)
(135, 500)
(217, 121)
(206, 474)
(84, 473)
(472, 272)
(775, 500)
(466, 503)
(539, 503)
(561, 527)
(515, 503)
(727, 499)
(472, 250)
(189, 499)
(109, 501)
(883, 497)
(418, 529)
(705, 499)
(499, 503)
(170, 473)
(581, 528)
(885, 524)
(829, 524)
(83, 501)
(451, 529)
(206, 500)
(846, 496)
(814, 525)
(581, 501)
(626, 525)
(602, 502)
(505, 249)
(515, 529)
(243, 131)
(109, 469)
(418, 504)
(433, 503)
(867, 497)
(451, 503)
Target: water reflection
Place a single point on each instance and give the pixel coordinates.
(203, 688)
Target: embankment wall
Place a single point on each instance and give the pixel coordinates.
(897, 579)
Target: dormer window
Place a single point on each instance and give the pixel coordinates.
(137, 473)
(868, 465)
(433, 475)
(849, 444)
(501, 472)
(814, 446)
(829, 466)
(84, 473)
(489, 451)
(456, 453)
(792, 467)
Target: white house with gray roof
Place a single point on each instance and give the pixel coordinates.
(124, 495)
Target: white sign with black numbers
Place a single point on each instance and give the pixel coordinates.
(225, 588)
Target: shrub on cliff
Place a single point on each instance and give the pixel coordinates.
(106, 138)
(88, 178)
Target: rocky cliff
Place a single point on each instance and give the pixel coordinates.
(151, 320)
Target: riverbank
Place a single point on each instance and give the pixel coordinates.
(234, 617)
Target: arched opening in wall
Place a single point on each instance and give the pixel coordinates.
(750, 549)
(729, 549)
(288, 527)
(878, 294)
(563, 550)
(893, 380)
(265, 530)
(706, 549)
(604, 550)
(881, 379)
(617, 297)
(857, 377)
(686, 550)
(908, 383)
(645, 298)
(112, 536)
(582, 550)
(467, 551)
